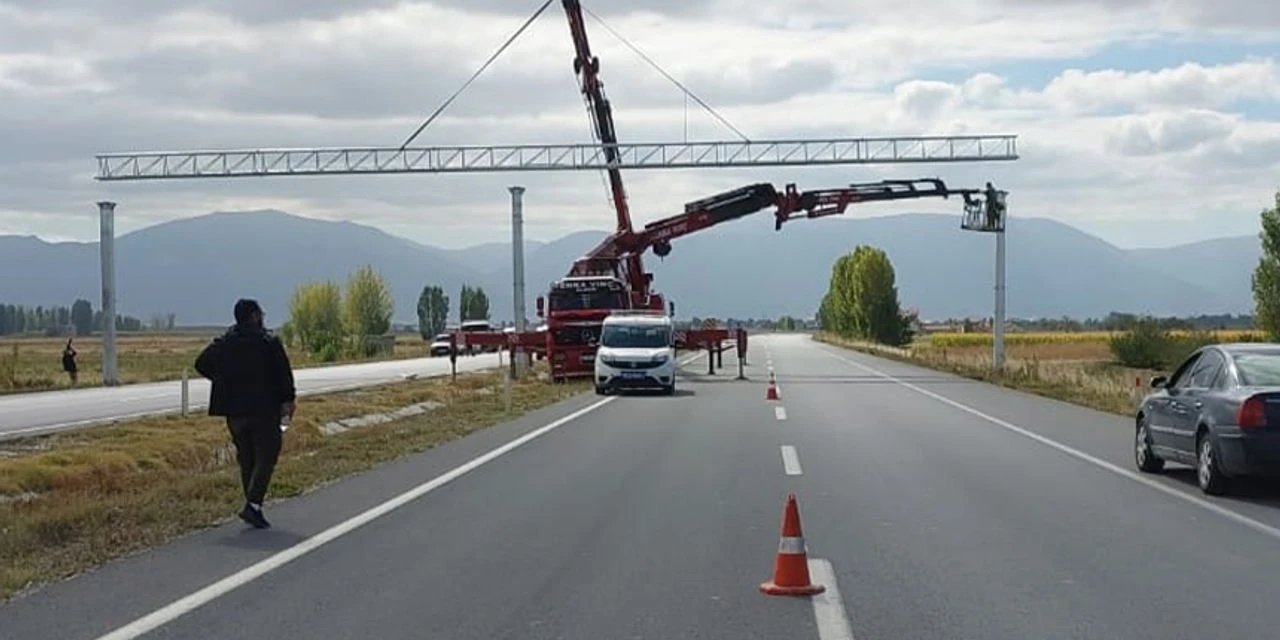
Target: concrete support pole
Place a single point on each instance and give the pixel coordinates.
(107, 250)
(997, 328)
(517, 274)
(186, 392)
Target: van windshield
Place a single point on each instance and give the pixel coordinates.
(635, 337)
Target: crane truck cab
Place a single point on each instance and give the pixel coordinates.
(636, 351)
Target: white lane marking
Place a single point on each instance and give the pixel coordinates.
(791, 461)
(1076, 453)
(191, 602)
(828, 608)
(780, 413)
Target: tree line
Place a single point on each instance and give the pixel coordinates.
(433, 308)
(57, 321)
(330, 321)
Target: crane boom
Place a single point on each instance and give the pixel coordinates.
(788, 204)
(587, 67)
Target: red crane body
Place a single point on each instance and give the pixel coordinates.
(612, 277)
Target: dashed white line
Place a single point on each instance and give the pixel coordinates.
(791, 461)
(828, 607)
(1075, 453)
(780, 413)
(191, 602)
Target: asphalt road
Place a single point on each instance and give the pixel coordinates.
(35, 413)
(946, 508)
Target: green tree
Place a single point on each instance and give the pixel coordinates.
(878, 311)
(1266, 277)
(368, 305)
(862, 299)
(473, 304)
(1143, 344)
(433, 312)
(315, 319)
(464, 302)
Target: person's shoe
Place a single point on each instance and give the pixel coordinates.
(254, 517)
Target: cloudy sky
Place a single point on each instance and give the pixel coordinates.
(1147, 123)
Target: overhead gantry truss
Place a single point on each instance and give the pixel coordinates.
(163, 165)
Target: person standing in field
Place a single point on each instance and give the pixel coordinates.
(69, 362)
(253, 389)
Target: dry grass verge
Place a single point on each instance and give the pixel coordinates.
(73, 501)
(1079, 372)
(35, 364)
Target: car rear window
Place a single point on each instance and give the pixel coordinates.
(1259, 369)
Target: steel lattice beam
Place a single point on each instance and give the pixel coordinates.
(160, 165)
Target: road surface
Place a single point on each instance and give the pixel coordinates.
(944, 508)
(35, 413)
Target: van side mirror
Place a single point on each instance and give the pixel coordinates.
(1158, 382)
(671, 309)
(542, 304)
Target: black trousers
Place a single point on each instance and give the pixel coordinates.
(258, 440)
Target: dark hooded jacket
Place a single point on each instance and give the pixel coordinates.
(250, 372)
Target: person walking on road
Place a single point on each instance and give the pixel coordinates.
(69, 362)
(253, 389)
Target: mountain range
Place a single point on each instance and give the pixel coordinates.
(196, 267)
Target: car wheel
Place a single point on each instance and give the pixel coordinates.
(601, 391)
(1208, 470)
(669, 390)
(1143, 455)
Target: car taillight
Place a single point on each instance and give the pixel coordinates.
(1253, 414)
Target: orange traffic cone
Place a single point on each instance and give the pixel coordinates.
(791, 566)
(772, 393)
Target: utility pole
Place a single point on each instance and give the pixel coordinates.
(997, 328)
(987, 214)
(517, 272)
(107, 250)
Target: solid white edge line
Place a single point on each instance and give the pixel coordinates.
(791, 461)
(1239, 518)
(780, 413)
(828, 607)
(193, 601)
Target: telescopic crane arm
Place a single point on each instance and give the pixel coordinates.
(788, 205)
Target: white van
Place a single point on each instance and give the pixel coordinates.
(637, 351)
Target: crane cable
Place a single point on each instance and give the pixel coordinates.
(666, 75)
(475, 75)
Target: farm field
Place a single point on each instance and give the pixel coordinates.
(1076, 367)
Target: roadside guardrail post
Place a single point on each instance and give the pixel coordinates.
(186, 392)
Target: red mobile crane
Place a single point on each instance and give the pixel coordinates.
(612, 277)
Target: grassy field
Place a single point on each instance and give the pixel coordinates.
(73, 501)
(1075, 367)
(35, 364)
(1037, 338)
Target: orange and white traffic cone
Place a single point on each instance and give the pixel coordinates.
(791, 566)
(772, 393)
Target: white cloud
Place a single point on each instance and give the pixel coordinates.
(1189, 85)
(1167, 132)
(79, 77)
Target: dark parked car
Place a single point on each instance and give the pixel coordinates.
(1219, 411)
